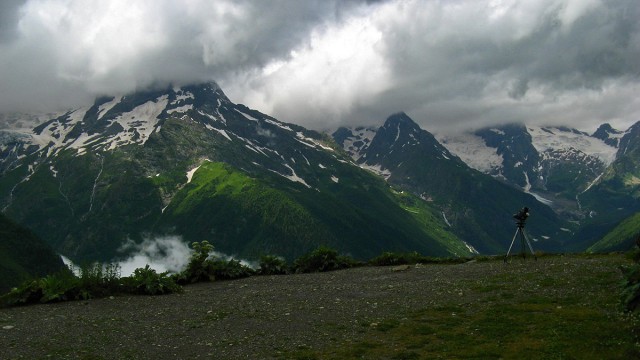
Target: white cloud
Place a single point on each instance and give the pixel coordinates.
(338, 69)
(168, 253)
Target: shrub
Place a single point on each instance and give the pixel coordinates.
(273, 265)
(198, 268)
(389, 258)
(322, 259)
(98, 280)
(631, 291)
(147, 281)
(60, 286)
(228, 270)
(27, 293)
(63, 285)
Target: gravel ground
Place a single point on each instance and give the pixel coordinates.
(266, 317)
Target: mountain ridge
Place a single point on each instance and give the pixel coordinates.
(98, 177)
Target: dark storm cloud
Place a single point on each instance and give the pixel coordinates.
(65, 52)
(322, 63)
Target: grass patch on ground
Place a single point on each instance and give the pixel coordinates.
(559, 313)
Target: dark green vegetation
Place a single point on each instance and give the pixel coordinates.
(97, 280)
(261, 187)
(477, 206)
(556, 307)
(23, 255)
(622, 238)
(614, 198)
(631, 292)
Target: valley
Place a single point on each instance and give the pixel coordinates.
(188, 163)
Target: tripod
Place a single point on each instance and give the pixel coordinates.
(523, 240)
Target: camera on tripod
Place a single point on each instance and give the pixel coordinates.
(522, 215)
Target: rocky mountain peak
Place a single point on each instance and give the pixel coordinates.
(608, 134)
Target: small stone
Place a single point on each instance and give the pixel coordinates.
(400, 268)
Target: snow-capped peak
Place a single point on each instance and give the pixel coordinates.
(549, 138)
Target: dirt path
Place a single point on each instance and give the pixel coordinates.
(276, 316)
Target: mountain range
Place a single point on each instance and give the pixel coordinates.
(588, 180)
(187, 161)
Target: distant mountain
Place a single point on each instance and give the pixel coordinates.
(23, 255)
(555, 164)
(187, 161)
(587, 179)
(615, 195)
(476, 206)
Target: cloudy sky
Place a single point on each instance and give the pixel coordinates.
(449, 64)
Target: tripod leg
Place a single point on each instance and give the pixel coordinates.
(530, 247)
(510, 246)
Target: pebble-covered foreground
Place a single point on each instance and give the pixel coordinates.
(288, 316)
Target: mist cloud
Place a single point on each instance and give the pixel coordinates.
(450, 65)
(168, 253)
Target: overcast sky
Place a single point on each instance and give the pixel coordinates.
(456, 64)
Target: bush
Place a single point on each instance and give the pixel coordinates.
(147, 281)
(28, 293)
(98, 280)
(228, 270)
(202, 268)
(59, 287)
(273, 265)
(93, 281)
(322, 259)
(631, 292)
(389, 258)
(63, 285)
(198, 268)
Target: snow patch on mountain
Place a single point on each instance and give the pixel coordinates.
(193, 171)
(181, 95)
(293, 177)
(104, 108)
(357, 144)
(180, 109)
(247, 116)
(473, 151)
(471, 248)
(222, 132)
(547, 138)
(139, 123)
(282, 126)
(377, 169)
(55, 132)
(312, 143)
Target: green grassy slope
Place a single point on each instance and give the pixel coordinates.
(253, 216)
(23, 255)
(621, 238)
